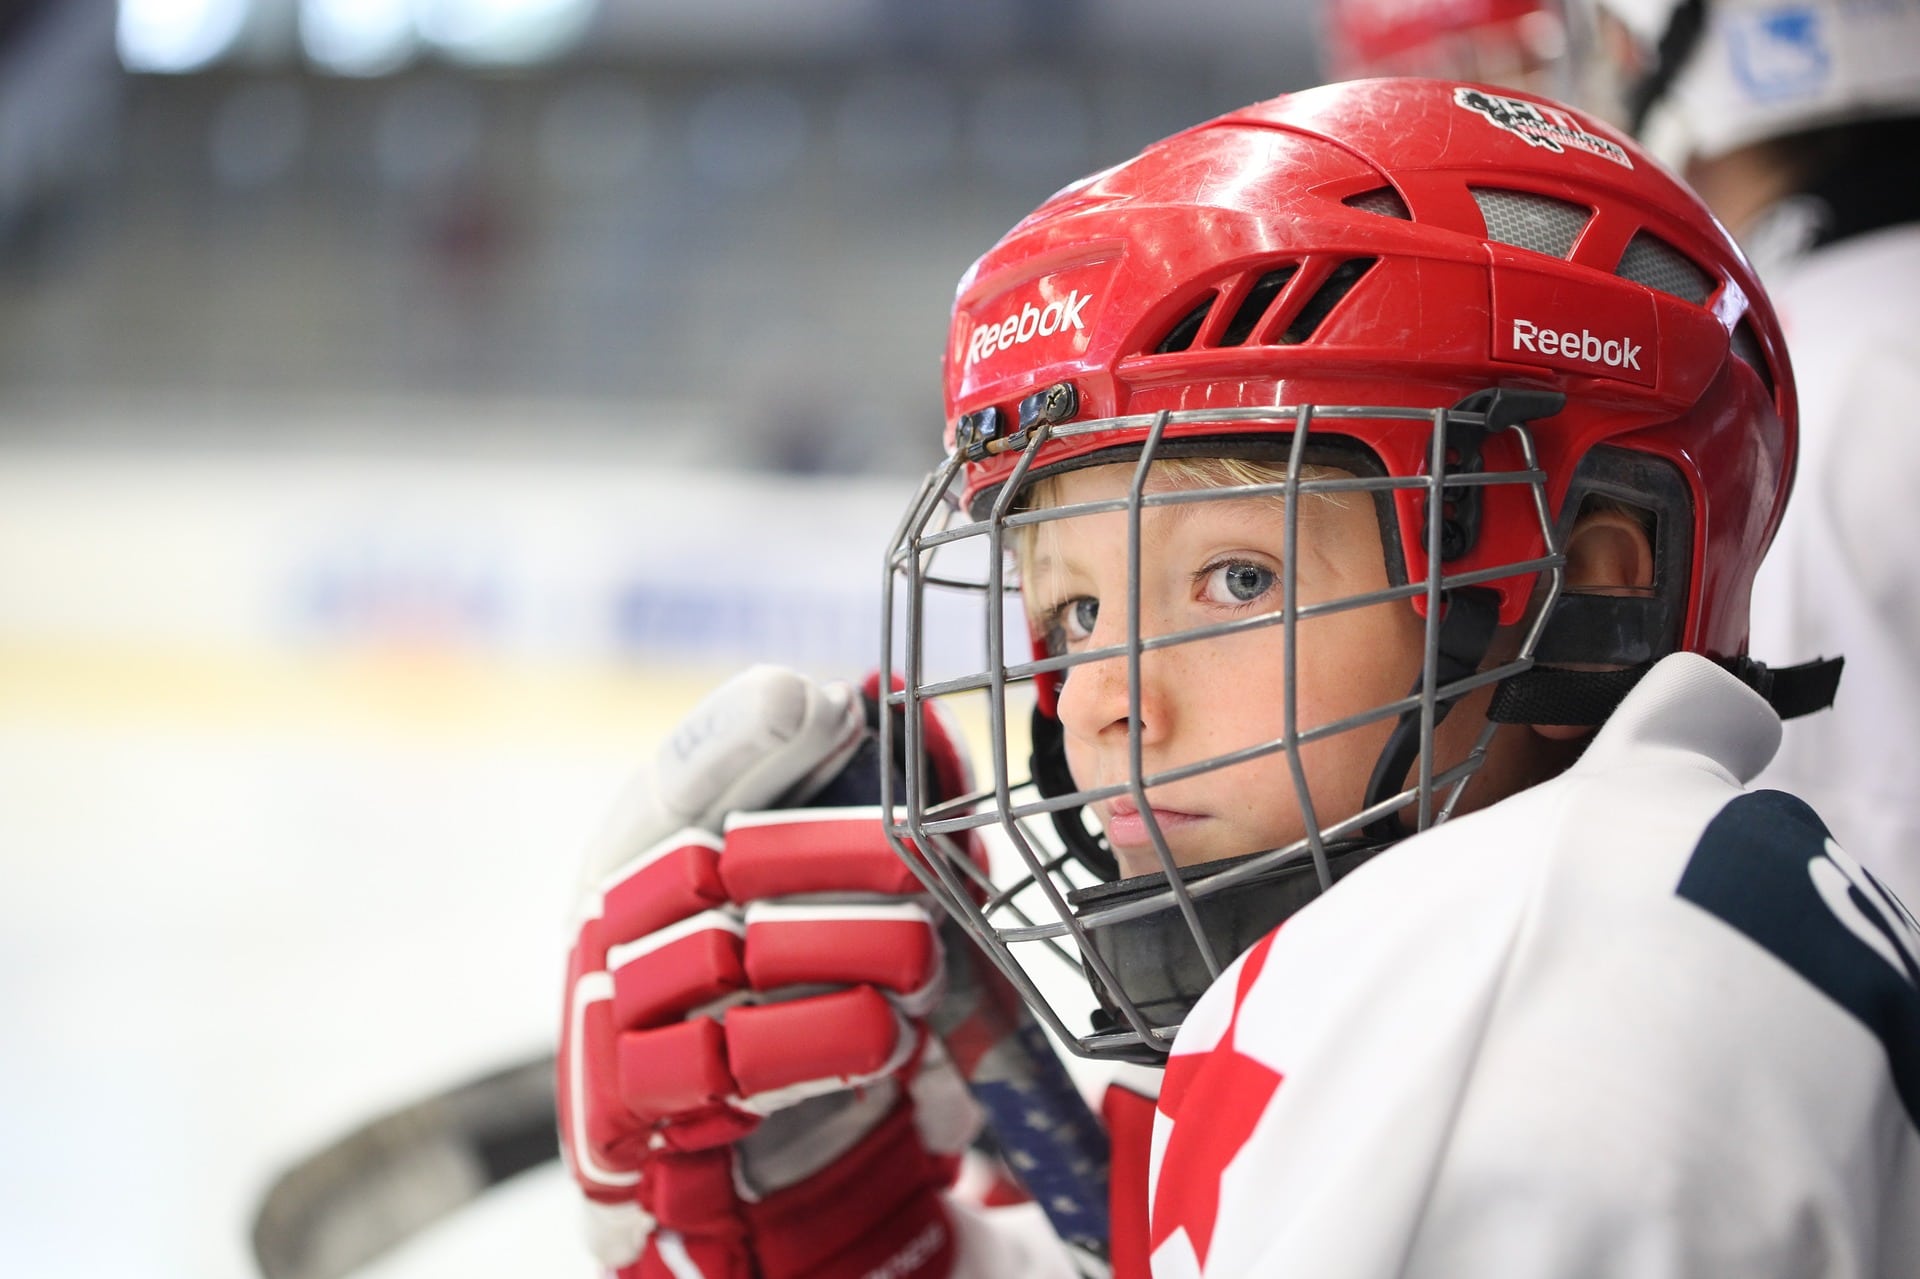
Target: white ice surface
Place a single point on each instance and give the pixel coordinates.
(298, 756)
(299, 752)
(221, 950)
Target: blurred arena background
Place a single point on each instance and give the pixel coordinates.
(407, 408)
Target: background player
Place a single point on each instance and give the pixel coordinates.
(1628, 1020)
(1788, 121)
(1519, 44)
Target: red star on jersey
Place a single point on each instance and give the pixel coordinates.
(1234, 1090)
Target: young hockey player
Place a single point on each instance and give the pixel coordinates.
(1381, 471)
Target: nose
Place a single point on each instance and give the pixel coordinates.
(1095, 705)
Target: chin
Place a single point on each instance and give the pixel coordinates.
(1143, 860)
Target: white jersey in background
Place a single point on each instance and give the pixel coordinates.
(1842, 577)
(1633, 1023)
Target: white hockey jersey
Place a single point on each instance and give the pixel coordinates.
(1634, 1023)
(1841, 576)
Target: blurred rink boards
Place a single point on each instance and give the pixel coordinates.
(299, 749)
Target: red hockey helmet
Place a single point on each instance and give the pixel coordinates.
(1482, 308)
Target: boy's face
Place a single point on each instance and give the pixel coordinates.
(1204, 563)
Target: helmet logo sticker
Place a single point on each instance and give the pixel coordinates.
(1584, 346)
(1552, 323)
(1780, 53)
(1028, 323)
(1538, 125)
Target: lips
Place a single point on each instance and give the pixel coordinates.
(1127, 828)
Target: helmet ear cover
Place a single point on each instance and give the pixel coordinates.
(1624, 632)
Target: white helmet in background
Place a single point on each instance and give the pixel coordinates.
(1697, 79)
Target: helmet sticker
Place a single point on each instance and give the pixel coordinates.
(1542, 321)
(1539, 125)
(1780, 53)
(1020, 327)
(1584, 347)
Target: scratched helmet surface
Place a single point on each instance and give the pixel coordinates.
(1472, 311)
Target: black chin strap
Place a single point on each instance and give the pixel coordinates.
(1466, 631)
(1469, 615)
(1548, 695)
(1670, 56)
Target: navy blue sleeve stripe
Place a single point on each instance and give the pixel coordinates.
(1759, 867)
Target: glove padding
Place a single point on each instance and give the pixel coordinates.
(747, 1086)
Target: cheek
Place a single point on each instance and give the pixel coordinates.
(1350, 662)
(1231, 692)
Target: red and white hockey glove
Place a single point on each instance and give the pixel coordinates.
(747, 1086)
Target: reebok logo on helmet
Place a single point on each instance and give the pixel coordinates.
(1586, 346)
(1027, 323)
(1604, 328)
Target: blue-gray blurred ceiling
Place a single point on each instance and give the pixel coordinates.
(758, 206)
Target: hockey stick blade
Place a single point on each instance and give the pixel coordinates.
(399, 1174)
(396, 1175)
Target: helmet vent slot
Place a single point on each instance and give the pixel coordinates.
(1382, 201)
(1337, 285)
(1181, 335)
(1747, 347)
(1651, 261)
(1255, 304)
(1533, 222)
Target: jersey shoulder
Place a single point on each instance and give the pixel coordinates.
(1577, 985)
(1768, 869)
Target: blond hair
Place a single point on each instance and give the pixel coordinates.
(1167, 474)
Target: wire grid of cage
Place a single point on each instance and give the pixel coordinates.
(1036, 900)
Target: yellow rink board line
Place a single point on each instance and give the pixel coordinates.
(405, 695)
(427, 695)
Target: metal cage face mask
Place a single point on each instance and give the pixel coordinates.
(1055, 912)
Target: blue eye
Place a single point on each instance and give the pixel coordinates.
(1239, 583)
(1070, 623)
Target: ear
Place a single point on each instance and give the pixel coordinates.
(1608, 553)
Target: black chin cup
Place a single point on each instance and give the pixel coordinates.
(1154, 956)
(1052, 780)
